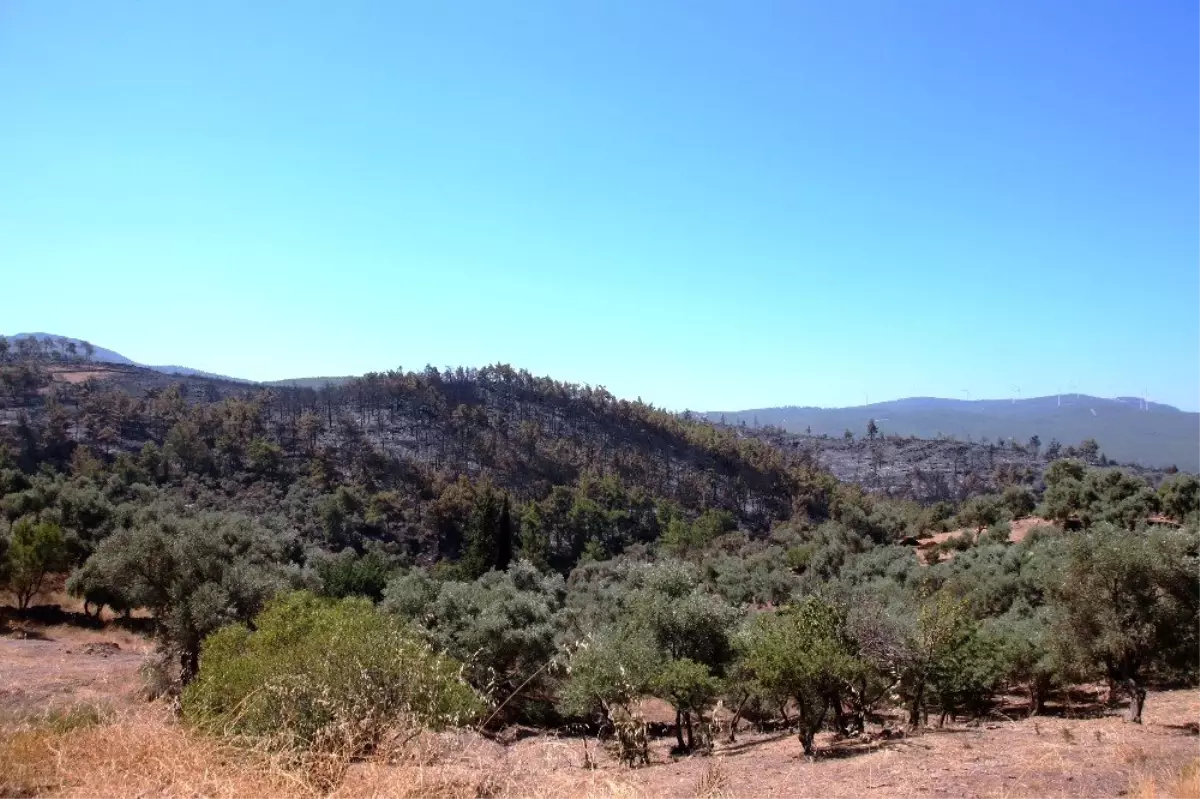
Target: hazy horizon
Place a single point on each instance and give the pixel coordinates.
(709, 206)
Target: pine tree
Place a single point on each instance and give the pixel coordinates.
(504, 537)
(483, 534)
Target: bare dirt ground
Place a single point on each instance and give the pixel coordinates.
(1020, 530)
(1048, 756)
(78, 374)
(45, 668)
(1054, 756)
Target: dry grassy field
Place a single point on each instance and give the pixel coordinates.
(73, 723)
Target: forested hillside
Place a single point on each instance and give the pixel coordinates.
(548, 553)
(397, 457)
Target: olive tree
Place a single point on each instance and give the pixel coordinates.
(34, 550)
(798, 652)
(1179, 496)
(195, 574)
(691, 629)
(691, 689)
(501, 626)
(608, 672)
(1129, 603)
(932, 633)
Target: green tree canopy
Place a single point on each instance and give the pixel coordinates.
(36, 548)
(1130, 604)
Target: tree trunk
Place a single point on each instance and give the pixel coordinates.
(189, 664)
(914, 711)
(811, 721)
(679, 731)
(687, 721)
(840, 719)
(1038, 688)
(736, 718)
(1137, 699)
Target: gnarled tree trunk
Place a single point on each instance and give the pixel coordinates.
(1137, 699)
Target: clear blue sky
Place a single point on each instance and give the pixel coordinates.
(710, 205)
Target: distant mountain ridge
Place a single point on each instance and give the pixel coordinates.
(1129, 429)
(104, 355)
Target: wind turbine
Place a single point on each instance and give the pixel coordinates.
(1018, 390)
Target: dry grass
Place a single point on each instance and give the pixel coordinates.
(76, 374)
(138, 754)
(142, 751)
(713, 782)
(1182, 784)
(146, 753)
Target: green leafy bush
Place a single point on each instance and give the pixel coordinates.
(691, 689)
(35, 549)
(350, 574)
(501, 626)
(324, 676)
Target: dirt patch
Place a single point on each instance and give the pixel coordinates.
(1029, 757)
(1019, 532)
(69, 374)
(45, 668)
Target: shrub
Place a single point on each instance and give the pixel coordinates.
(501, 626)
(323, 676)
(36, 548)
(350, 574)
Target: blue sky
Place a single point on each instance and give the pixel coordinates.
(708, 205)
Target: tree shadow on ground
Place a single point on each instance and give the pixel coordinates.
(841, 750)
(50, 615)
(1187, 728)
(846, 747)
(747, 744)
